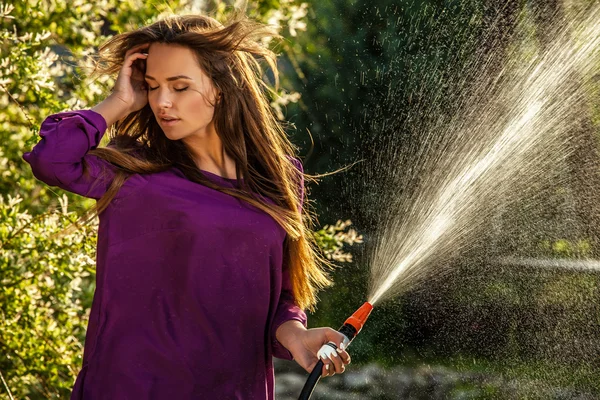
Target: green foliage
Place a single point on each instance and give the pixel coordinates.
(332, 238)
(46, 284)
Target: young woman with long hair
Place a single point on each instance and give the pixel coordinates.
(205, 262)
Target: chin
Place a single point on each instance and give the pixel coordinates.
(172, 135)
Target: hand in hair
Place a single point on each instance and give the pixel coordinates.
(130, 93)
(130, 87)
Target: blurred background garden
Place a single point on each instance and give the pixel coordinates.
(516, 312)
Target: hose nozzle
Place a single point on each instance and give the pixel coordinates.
(358, 319)
(350, 329)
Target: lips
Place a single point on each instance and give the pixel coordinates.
(167, 119)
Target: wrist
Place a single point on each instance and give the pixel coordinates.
(289, 333)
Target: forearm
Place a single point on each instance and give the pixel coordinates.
(112, 109)
(289, 332)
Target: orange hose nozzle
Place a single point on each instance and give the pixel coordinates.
(358, 319)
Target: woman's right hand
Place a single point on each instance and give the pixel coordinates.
(130, 87)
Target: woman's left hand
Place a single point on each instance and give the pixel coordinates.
(305, 343)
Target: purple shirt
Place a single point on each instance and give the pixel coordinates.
(189, 282)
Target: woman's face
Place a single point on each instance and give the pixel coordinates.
(180, 94)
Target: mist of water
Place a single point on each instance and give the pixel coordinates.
(512, 127)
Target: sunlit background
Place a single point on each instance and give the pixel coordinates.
(469, 217)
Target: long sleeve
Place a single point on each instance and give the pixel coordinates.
(58, 158)
(287, 309)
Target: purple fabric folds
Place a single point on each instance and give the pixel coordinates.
(190, 286)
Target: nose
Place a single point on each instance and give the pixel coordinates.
(164, 101)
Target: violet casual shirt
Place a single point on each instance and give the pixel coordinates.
(190, 287)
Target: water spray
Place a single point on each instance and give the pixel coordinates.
(494, 151)
(350, 329)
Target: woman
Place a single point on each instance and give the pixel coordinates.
(204, 263)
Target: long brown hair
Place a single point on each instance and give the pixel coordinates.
(251, 134)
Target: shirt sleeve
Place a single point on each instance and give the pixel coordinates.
(58, 158)
(287, 309)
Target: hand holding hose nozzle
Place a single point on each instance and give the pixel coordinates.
(350, 329)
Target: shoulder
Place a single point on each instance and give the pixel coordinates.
(296, 162)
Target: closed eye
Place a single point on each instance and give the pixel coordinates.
(177, 90)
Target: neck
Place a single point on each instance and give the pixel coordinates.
(209, 153)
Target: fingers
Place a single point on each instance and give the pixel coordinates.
(329, 367)
(331, 351)
(337, 338)
(128, 63)
(326, 369)
(332, 366)
(130, 87)
(138, 52)
(344, 354)
(335, 362)
(340, 341)
(137, 49)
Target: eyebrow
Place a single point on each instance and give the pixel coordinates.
(172, 78)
